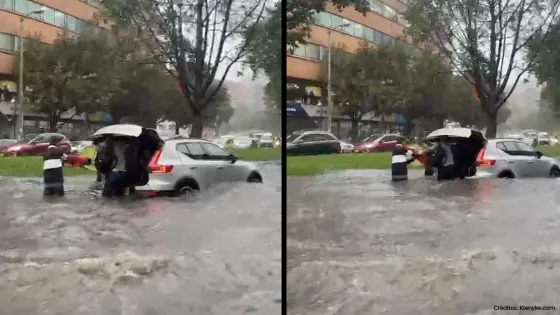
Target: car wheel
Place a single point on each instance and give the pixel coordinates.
(185, 192)
(255, 179)
(554, 172)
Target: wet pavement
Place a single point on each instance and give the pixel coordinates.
(359, 244)
(220, 254)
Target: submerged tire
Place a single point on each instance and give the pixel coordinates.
(554, 172)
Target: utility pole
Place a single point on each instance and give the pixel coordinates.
(18, 110)
(329, 90)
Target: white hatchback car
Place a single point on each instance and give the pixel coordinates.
(510, 158)
(182, 166)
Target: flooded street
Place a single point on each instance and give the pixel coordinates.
(220, 254)
(359, 244)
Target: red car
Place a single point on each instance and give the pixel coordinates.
(378, 143)
(37, 146)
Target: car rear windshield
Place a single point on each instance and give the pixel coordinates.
(372, 138)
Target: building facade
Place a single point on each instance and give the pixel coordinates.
(384, 24)
(56, 16)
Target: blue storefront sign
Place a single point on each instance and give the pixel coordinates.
(400, 121)
(295, 110)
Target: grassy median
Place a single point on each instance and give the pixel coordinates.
(318, 164)
(32, 166)
(550, 151)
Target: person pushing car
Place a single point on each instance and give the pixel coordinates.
(401, 157)
(53, 175)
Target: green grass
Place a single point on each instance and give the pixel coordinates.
(317, 164)
(258, 154)
(550, 151)
(32, 166)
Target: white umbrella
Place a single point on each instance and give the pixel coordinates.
(121, 130)
(454, 133)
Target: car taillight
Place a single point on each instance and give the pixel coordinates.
(482, 162)
(155, 167)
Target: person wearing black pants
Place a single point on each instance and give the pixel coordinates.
(400, 160)
(53, 175)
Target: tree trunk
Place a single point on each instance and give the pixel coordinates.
(354, 130)
(196, 126)
(177, 128)
(491, 124)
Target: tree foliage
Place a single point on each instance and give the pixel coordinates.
(68, 75)
(265, 54)
(385, 80)
(546, 64)
(484, 41)
(195, 38)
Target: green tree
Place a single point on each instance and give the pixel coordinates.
(68, 75)
(215, 41)
(484, 41)
(265, 54)
(546, 65)
(370, 80)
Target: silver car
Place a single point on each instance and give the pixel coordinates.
(510, 158)
(183, 166)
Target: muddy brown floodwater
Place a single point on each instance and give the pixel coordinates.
(359, 244)
(220, 254)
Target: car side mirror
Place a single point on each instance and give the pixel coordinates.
(539, 154)
(232, 158)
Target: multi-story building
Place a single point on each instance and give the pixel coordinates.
(384, 24)
(56, 16)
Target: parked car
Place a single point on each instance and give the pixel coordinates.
(184, 166)
(346, 147)
(378, 143)
(543, 138)
(266, 140)
(312, 143)
(37, 146)
(7, 142)
(509, 158)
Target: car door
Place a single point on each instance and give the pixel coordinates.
(516, 162)
(227, 171)
(536, 167)
(387, 143)
(308, 144)
(329, 144)
(40, 144)
(196, 162)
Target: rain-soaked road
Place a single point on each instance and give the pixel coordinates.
(83, 255)
(358, 244)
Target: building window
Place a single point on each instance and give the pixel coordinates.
(7, 4)
(32, 6)
(308, 51)
(48, 15)
(59, 18)
(71, 23)
(336, 21)
(7, 42)
(312, 51)
(368, 33)
(21, 6)
(324, 19)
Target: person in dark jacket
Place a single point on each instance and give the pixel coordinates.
(401, 157)
(53, 175)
